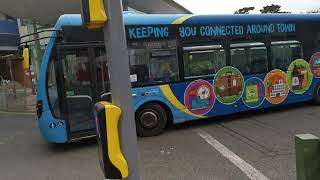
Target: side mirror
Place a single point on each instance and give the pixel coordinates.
(26, 59)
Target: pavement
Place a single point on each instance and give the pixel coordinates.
(252, 145)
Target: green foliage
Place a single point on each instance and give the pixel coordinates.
(271, 9)
(244, 10)
(201, 68)
(314, 11)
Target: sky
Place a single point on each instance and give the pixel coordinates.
(230, 6)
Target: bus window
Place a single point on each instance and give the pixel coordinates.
(259, 61)
(318, 38)
(203, 61)
(139, 65)
(77, 72)
(238, 60)
(164, 65)
(52, 89)
(284, 52)
(249, 58)
(153, 62)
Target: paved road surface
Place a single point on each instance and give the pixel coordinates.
(242, 146)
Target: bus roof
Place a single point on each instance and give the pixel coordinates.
(151, 19)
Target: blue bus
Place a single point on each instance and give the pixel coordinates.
(182, 68)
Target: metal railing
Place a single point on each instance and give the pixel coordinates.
(16, 97)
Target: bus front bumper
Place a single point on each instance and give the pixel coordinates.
(52, 130)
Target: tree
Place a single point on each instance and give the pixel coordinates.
(244, 10)
(271, 9)
(314, 11)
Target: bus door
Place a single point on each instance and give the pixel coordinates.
(103, 83)
(80, 87)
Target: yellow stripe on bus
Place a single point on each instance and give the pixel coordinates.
(182, 19)
(166, 90)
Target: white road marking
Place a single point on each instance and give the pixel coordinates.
(250, 171)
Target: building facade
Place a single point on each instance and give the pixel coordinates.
(9, 46)
(15, 83)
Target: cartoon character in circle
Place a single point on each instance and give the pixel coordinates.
(315, 65)
(254, 93)
(199, 97)
(276, 86)
(203, 92)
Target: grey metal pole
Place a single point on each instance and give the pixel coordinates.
(118, 63)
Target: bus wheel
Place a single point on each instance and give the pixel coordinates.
(151, 120)
(317, 96)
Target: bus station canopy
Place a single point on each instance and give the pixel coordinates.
(48, 11)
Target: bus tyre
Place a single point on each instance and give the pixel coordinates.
(317, 96)
(151, 120)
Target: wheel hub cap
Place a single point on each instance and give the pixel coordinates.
(149, 119)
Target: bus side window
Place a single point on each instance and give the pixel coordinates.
(249, 58)
(238, 60)
(259, 61)
(284, 52)
(318, 41)
(164, 65)
(153, 62)
(138, 65)
(203, 61)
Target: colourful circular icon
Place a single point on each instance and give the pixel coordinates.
(276, 86)
(315, 64)
(199, 97)
(299, 76)
(228, 85)
(254, 92)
